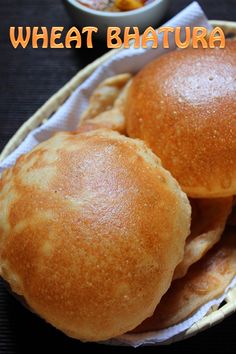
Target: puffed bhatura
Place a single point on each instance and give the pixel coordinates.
(91, 230)
(205, 281)
(183, 106)
(106, 105)
(209, 217)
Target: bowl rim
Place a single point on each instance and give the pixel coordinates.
(101, 13)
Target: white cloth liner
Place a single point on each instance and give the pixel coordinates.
(67, 118)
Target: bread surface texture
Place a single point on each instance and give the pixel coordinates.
(183, 106)
(91, 230)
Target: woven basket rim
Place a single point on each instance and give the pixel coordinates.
(54, 103)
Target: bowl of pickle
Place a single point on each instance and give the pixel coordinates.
(117, 13)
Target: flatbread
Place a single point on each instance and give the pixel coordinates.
(112, 119)
(209, 217)
(104, 96)
(205, 281)
(106, 106)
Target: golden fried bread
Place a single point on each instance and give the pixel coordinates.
(183, 106)
(104, 112)
(209, 217)
(91, 230)
(104, 95)
(205, 281)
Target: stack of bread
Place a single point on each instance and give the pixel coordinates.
(121, 225)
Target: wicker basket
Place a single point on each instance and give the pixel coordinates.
(216, 314)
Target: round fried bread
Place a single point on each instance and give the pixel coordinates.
(91, 230)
